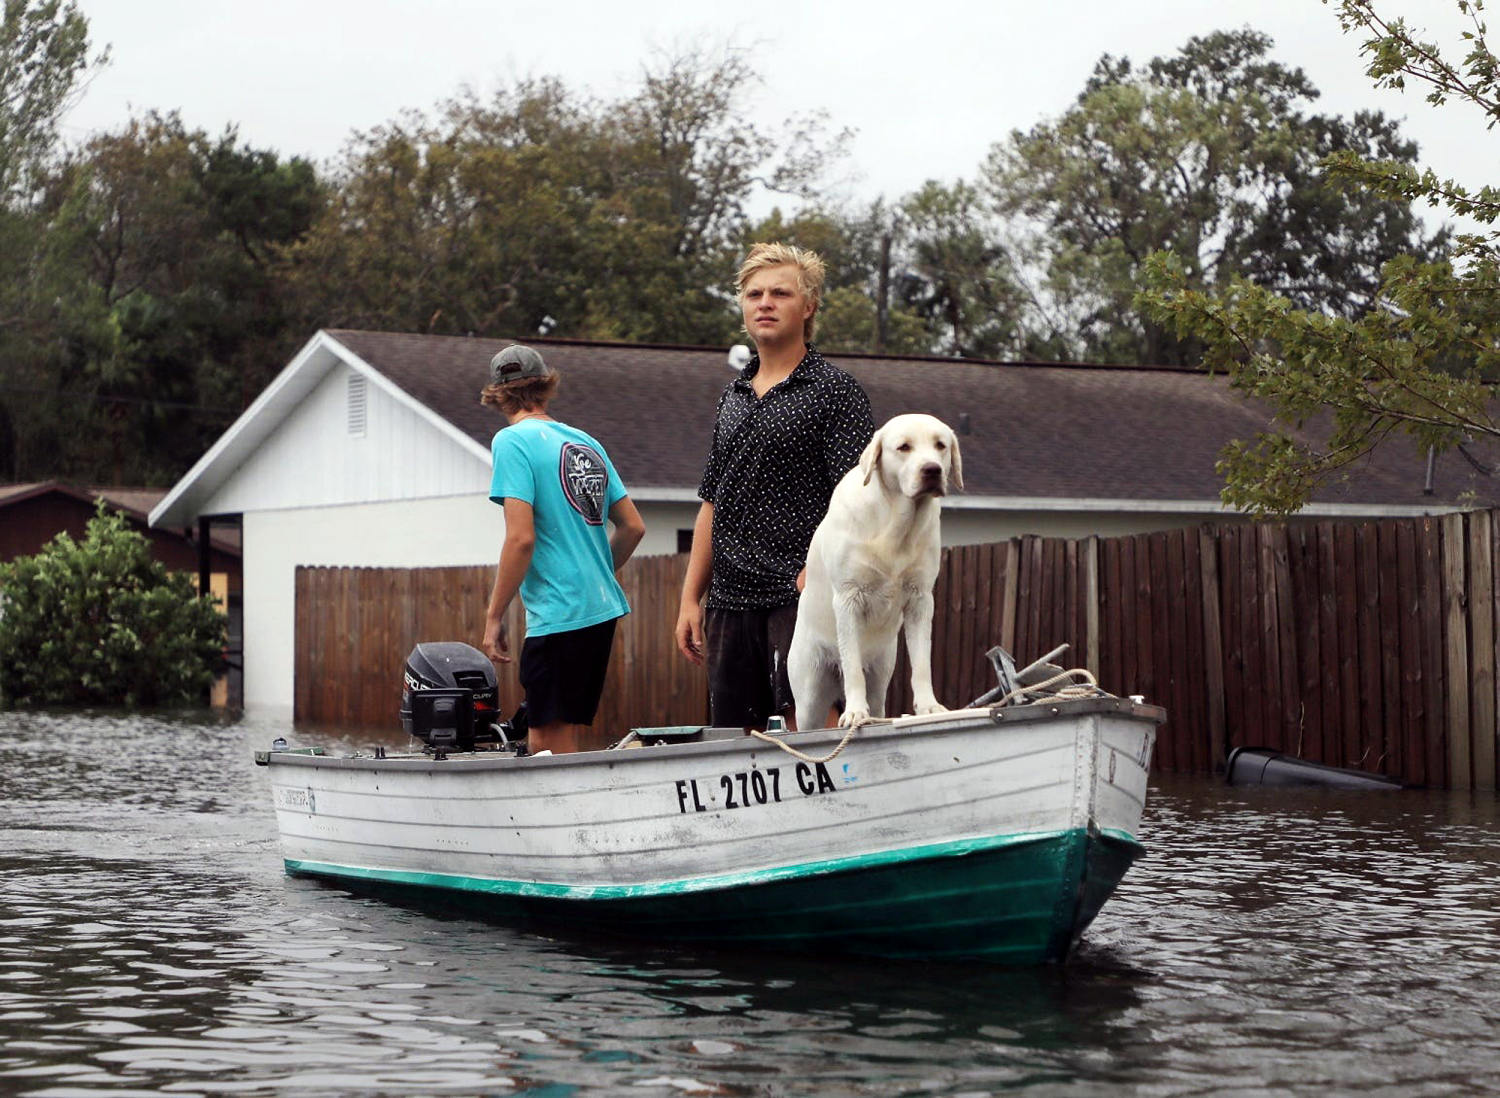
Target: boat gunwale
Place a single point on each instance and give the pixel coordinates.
(812, 739)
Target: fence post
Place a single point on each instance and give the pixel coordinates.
(1091, 602)
(1482, 632)
(1012, 586)
(1492, 530)
(1455, 643)
(1213, 645)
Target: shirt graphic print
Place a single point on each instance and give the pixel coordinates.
(583, 475)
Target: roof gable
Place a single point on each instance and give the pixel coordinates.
(229, 477)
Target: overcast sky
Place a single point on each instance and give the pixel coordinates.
(928, 85)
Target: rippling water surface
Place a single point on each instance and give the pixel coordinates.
(1271, 942)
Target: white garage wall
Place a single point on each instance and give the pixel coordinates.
(966, 524)
(407, 534)
(975, 527)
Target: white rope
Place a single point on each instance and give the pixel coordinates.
(792, 751)
(1074, 690)
(1088, 688)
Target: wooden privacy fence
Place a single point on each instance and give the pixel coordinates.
(356, 626)
(1364, 644)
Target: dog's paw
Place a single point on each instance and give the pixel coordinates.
(853, 718)
(930, 707)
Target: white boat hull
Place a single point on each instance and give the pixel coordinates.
(710, 838)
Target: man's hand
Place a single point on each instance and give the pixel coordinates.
(802, 580)
(497, 641)
(690, 631)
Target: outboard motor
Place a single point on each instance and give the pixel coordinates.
(449, 696)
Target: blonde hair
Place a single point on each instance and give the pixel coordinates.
(810, 274)
(526, 394)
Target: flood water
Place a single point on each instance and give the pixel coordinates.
(1271, 942)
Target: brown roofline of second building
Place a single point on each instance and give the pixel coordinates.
(34, 489)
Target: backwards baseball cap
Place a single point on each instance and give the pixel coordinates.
(516, 362)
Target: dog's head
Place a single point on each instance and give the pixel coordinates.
(915, 455)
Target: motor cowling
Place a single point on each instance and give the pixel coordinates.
(449, 695)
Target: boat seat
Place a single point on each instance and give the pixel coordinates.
(671, 733)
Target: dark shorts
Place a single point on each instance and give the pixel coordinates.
(563, 673)
(747, 664)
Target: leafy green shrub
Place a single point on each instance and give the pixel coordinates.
(99, 622)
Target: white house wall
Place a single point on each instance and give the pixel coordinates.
(303, 501)
(312, 460)
(966, 526)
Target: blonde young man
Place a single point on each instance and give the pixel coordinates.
(557, 485)
(786, 430)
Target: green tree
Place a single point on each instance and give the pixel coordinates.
(44, 55)
(467, 223)
(958, 274)
(538, 210)
(161, 306)
(98, 622)
(44, 51)
(1421, 360)
(1211, 154)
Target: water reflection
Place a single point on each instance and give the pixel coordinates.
(1272, 940)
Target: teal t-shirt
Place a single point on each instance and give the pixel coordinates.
(568, 480)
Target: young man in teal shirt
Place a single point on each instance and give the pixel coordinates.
(557, 485)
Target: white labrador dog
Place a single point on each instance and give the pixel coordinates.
(870, 570)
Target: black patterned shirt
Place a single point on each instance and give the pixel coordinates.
(770, 473)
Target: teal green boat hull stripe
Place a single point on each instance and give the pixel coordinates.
(693, 884)
(1015, 898)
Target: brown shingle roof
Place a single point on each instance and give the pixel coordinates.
(136, 502)
(1035, 430)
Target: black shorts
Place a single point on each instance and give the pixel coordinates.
(747, 664)
(563, 673)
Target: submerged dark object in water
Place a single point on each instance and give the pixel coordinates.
(1262, 766)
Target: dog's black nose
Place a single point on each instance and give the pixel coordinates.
(932, 471)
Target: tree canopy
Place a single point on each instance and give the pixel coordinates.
(1419, 358)
(1214, 155)
(154, 278)
(44, 51)
(542, 211)
(153, 308)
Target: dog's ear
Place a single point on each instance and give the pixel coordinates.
(870, 458)
(957, 466)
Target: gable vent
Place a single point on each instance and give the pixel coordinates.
(358, 406)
